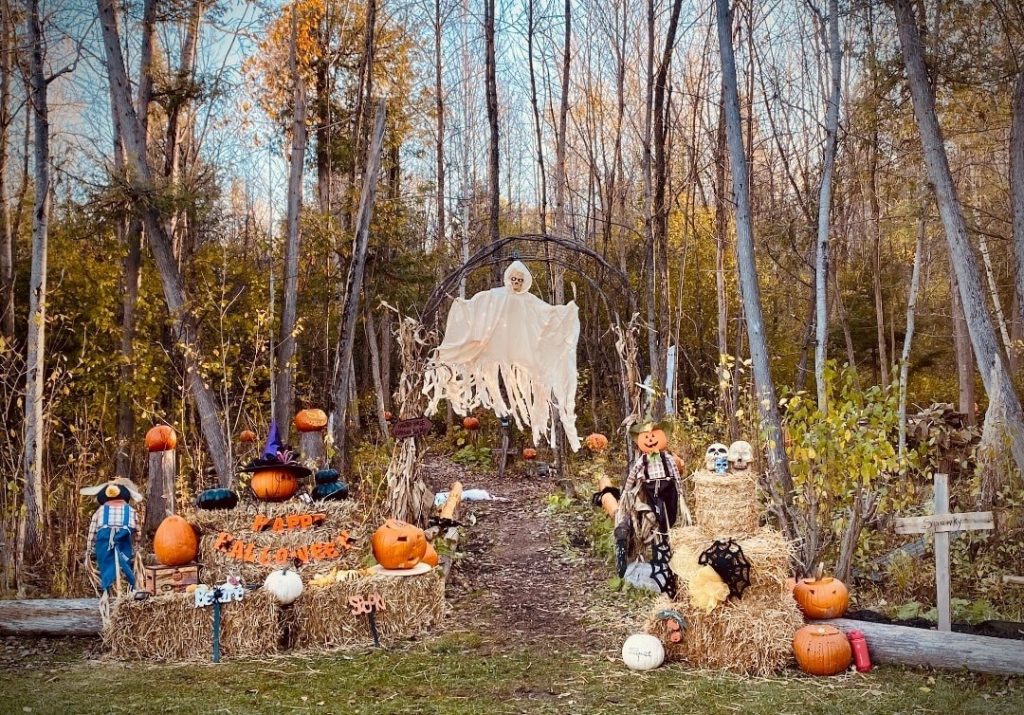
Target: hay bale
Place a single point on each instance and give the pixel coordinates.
(726, 505)
(340, 517)
(748, 636)
(412, 606)
(768, 552)
(171, 628)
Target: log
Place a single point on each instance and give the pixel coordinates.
(1018, 580)
(311, 445)
(452, 502)
(160, 490)
(934, 649)
(51, 617)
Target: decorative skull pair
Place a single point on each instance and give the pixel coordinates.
(719, 458)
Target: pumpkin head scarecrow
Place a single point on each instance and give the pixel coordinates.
(112, 532)
(651, 503)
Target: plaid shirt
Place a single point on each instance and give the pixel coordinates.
(632, 503)
(120, 515)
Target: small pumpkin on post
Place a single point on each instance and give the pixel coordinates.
(311, 423)
(161, 442)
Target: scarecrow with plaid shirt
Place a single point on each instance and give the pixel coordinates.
(652, 501)
(112, 531)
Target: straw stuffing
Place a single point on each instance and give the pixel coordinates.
(726, 505)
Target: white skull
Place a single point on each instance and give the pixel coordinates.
(741, 454)
(715, 451)
(517, 280)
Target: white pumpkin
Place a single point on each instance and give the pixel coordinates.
(642, 651)
(284, 584)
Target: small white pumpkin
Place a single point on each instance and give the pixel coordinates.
(284, 584)
(642, 651)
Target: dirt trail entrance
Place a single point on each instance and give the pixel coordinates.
(528, 574)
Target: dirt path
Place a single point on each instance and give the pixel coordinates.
(527, 573)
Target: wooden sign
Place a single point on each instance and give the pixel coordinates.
(416, 427)
(941, 523)
(967, 521)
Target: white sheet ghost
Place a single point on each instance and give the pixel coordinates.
(508, 335)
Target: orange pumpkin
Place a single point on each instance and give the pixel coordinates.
(387, 416)
(161, 438)
(247, 436)
(471, 423)
(652, 440)
(822, 597)
(822, 650)
(175, 542)
(398, 545)
(310, 420)
(529, 453)
(274, 484)
(430, 558)
(596, 442)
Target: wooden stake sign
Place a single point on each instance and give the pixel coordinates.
(941, 523)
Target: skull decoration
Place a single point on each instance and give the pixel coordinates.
(716, 459)
(741, 454)
(517, 280)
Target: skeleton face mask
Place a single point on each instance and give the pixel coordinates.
(516, 280)
(716, 459)
(741, 454)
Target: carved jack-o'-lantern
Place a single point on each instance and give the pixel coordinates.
(310, 420)
(651, 439)
(398, 545)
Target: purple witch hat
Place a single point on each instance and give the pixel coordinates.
(277, 456)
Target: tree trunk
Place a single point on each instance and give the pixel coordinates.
(543, 209)
(1017, 185)
(721, 227)
(825, 204)
(144, 191)
(378, 387)
(493, 229)
(908, 337)
(7, 43)
(353, 291)
(561, 180)
(991, 359)
(749, 288)
(133, 256)
(285, 388)
(35, 368)
(964, 356)
(439, 108)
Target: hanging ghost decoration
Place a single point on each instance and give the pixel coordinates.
(507, 350)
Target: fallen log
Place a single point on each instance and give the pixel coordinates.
(451, 503)
(51, 617)
(933, 649)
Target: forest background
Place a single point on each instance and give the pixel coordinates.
(181, 239)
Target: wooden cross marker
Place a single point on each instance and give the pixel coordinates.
(940, 524)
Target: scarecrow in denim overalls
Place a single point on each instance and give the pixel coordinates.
(112, 532)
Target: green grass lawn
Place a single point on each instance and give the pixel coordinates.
(460, 673)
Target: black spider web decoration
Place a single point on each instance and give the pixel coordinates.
(661, 574)
(728, 561)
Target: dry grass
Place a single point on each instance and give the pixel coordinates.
(412, 606)
(171, 628)
(726, 505)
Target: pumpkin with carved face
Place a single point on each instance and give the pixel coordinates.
(651, 440)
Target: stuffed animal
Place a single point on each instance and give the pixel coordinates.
(112, 532)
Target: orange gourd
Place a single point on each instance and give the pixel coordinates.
(398, 545)
(821, 597)
(175, 542)
(529, 453)
(596, 442)
(247, 436)
(310, 420)
(161, 438)
(430, 558)
(471, 423)
(273, 484)
(822, 650)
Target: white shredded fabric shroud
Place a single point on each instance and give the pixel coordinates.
(503, 336)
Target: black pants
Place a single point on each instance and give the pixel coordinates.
(663, 498)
